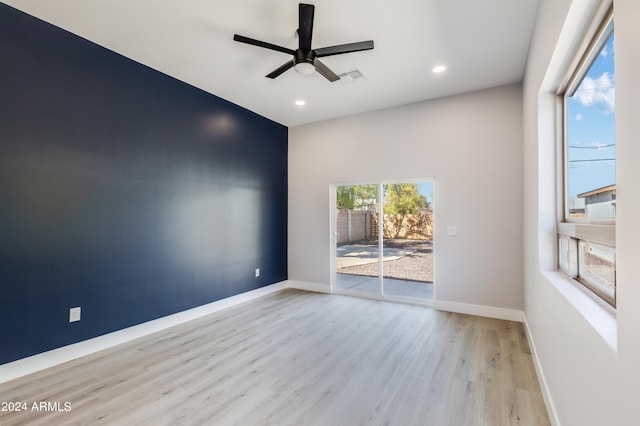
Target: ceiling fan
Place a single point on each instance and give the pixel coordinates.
(305, 59)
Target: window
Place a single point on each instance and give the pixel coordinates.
(586, 230)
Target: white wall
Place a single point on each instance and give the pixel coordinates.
(590, 361)
(470, 143)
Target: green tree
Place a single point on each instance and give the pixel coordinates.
(356, 197)
(404, 198)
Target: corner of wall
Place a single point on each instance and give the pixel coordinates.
(544, 386)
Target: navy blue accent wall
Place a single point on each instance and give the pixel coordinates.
(124, 191)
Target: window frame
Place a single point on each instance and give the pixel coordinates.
(570, 230)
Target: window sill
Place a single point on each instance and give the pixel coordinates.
(599, 317)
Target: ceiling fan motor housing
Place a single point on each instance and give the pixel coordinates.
(304, 56)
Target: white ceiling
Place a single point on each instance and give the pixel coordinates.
(482, 43)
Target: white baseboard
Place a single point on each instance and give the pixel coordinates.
(480, 310)
(25, 366)
(544, 387)
(32, 364)
(462, 308)
(303, 285)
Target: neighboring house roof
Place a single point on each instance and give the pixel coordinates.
(597, 191)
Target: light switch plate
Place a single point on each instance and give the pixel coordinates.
(452, 231)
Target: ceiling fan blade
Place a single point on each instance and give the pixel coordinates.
(305, 25)
(282, 68)
(325, 71)
(254, 42)
(344, 48)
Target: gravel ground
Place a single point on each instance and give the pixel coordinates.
(417, 266)
(600, 269)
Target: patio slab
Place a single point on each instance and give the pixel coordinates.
(361, 254)
(392, 287)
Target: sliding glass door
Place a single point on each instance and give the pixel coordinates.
(408, 240)
(357, 245)
(384, 240)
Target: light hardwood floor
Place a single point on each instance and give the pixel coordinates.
(300, 358)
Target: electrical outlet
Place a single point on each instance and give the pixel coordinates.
(74, 314)
(257, 272)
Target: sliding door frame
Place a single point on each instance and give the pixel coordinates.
(333, 244)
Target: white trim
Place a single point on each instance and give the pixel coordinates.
(333, 238)
(381, 205)
(41, 361)
(303, 285)
(594, 312)
(480, 310)
(544, 386)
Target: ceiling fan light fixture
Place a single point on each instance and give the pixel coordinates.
(304, 68)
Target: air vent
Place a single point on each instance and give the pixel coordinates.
(351, 76)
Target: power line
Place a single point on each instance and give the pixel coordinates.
(594, 159)
(592, 147)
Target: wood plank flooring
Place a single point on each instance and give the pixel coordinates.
(299, 358)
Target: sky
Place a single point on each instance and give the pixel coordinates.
(426, 189)
(591, 126)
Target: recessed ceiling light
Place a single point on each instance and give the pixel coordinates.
(300, 102)
(439, 69)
